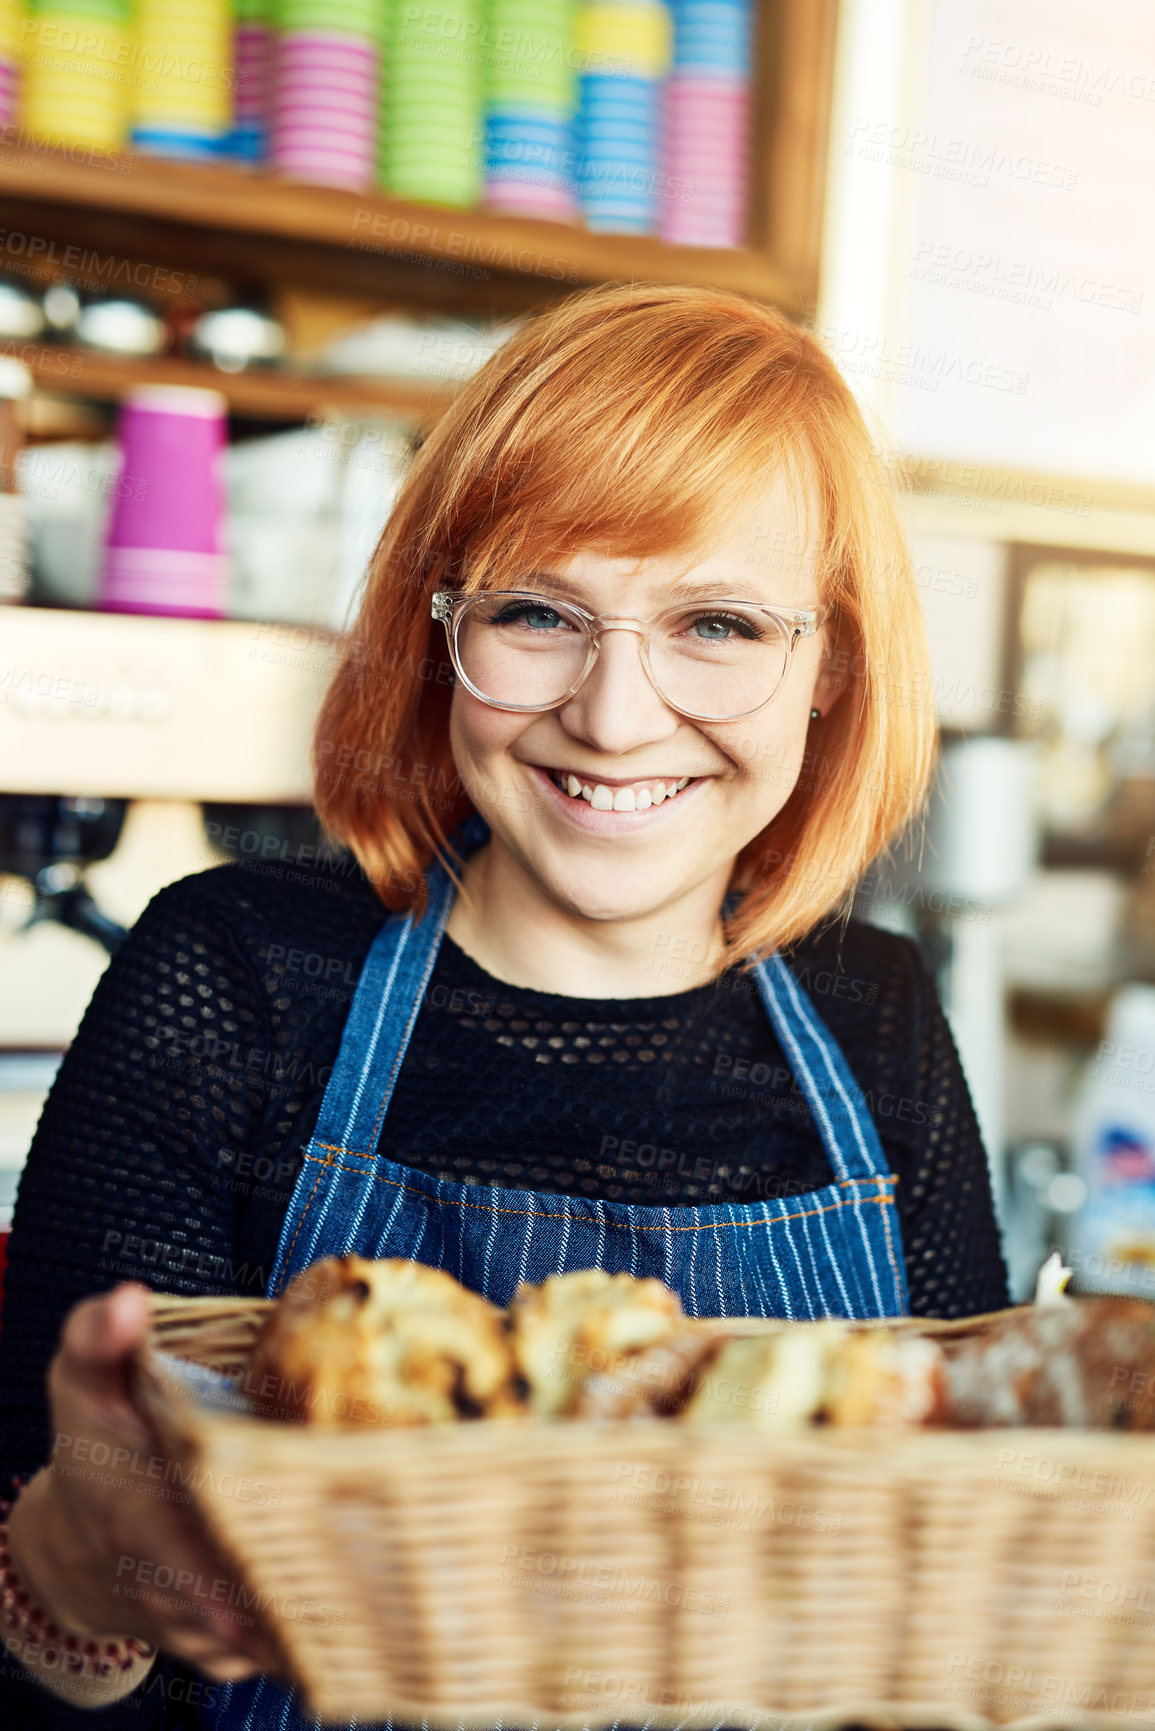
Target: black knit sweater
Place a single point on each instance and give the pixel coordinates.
(169, 1146)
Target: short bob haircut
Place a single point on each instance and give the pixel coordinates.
(631, 420)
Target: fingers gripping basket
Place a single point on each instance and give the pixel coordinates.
(581, 1574)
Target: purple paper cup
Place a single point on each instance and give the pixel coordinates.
(331, 44)
(682, 226)
(252, 70)
(343, 131)
(164, 548)
(159, 580)
(527, 198)
(363, 62)
(333, 112)
(319, 79)
(327, 168)
(360, 62)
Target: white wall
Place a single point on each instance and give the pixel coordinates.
(990, 251)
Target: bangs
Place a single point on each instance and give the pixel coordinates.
(645, 442)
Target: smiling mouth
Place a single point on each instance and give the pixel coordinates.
(627, 796)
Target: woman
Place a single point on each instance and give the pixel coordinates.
(636, 693)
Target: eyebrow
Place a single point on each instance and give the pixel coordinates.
(707, 589)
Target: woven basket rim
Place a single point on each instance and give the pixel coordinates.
(884, 1462)
(359, 1443)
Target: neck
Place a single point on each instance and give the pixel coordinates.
(504, 921)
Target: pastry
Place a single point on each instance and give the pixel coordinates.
(773, 1381)
(574, 1326)
(382, 1343)
(1085, 1361)
(653, 1382)
(396, 1343)
(820, 1372)
(880, 1377)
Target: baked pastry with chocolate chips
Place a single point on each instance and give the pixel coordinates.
(382, 1343)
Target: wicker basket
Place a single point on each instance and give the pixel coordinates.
(580, 1574)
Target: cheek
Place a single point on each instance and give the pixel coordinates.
(768, 759)
(477, 734)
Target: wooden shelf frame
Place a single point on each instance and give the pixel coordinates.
(261, 394)
(250, 226)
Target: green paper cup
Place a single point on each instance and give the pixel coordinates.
(113, 11)
(358, 17)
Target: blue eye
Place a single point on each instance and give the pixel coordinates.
(720, 627)
(534, 614)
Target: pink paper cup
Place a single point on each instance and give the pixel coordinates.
(164, 550)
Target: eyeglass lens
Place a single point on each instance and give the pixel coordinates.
(710, 660)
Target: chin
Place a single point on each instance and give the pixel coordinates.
(606, 898)
(601, 908)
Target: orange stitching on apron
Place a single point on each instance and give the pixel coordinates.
(355, 1154)
(543, 1214)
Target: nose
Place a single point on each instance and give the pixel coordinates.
(617, 709)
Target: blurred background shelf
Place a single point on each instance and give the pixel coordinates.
(132, 707)
(260, 394)
(235, 220)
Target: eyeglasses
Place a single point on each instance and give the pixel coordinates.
(710, 661)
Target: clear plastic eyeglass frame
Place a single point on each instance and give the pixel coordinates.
(451, 607)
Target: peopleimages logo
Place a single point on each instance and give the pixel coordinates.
(1027, 66)
(1020, 1686)
(1001, 278)
(456, 245)
(963, 159)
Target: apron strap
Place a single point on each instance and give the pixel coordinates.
(396, 972)
(832, 1093)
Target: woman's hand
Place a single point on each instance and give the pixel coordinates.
(91, 1533)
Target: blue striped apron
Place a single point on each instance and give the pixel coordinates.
(832, 1252)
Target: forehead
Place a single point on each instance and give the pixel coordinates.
(768, 551)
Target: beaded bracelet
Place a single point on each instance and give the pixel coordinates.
(20, 1616)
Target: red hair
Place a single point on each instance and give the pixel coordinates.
(633, 420)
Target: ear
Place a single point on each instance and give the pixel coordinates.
(832, 679)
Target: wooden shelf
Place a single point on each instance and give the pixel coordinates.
(259, 224)
(137, 707)
(251, 228)
(265, 395)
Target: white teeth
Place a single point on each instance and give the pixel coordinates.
(640, 797)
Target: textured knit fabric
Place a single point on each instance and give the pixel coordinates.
(171, 1141)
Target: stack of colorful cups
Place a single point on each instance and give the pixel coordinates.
(530, 100)
(11, 18)
(76, 72)
(252, 68)
(432, 109)
(327, 91)
(707, 124)
(164, 549)
(182, 103)
(624, 52)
